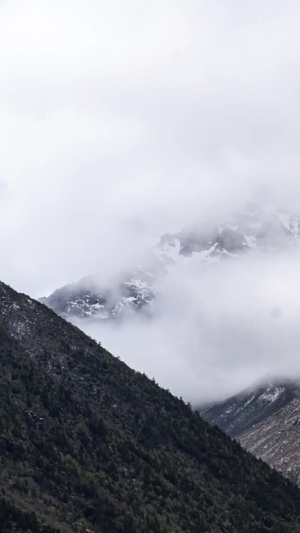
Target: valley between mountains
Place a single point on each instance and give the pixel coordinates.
(89, 445)
(265, 417)
(150, 266)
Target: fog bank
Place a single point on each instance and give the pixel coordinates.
(216, 329)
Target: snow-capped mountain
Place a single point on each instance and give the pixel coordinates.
(264, 418)
(136, 288)
(266, 421)
(88, 299)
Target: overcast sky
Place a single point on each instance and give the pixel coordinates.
(123, 120)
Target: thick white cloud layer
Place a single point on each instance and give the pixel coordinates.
(124, 120)
(217, 330)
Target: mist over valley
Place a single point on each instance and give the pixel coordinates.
(208, 311)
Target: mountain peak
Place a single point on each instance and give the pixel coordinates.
(251, 230)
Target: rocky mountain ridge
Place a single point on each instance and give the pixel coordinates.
(254, 230)
(236, 414)
(266, 421)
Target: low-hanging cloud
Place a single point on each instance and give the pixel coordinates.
(121, 121)
(216, 329)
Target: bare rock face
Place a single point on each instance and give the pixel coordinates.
(266, 421)
(276, 440)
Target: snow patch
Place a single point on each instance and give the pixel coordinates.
(271, 396)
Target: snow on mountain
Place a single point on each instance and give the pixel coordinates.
(254, 230)
(238, 413)
(87, 299)
(265, 420)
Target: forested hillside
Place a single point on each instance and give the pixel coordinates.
(87, 444)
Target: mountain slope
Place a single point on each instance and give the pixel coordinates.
(276, 439)
(238, 413)
(265, 421)
(90, 444)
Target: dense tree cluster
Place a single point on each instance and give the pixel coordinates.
(90, 445)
